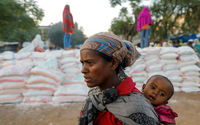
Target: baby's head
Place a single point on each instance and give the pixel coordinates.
(158, 90)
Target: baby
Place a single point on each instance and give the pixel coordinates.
(158, 90)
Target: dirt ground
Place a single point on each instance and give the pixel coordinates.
(187, 105)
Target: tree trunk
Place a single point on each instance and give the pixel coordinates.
(19, 45)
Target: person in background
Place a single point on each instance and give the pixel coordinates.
(151, 44)
(36, 45)
(180, 43)
(169, 43)
(164, 44)
(113, 98)
(144, 22)
(68, 26)
(197, 46)
(176, 43)
(190, 43)
(158, 90)
(159, 45)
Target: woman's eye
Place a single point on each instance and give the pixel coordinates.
(81, 62)
(90, 63)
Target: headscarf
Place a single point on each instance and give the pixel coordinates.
(113, 46)
(144, 18)
(68, 24)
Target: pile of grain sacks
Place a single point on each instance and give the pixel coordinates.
(55, 76)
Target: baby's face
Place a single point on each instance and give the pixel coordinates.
(157, 90)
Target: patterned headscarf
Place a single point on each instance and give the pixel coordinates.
(113, 46)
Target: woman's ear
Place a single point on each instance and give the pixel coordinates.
(115, 64)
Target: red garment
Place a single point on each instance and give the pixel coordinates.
(68, 24)
(144, 18)
(166, 114)
(124, 88)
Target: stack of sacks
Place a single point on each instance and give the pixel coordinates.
(54, 54)
(152, 61)
(38, 57)
(73, 79)
(137, 72)
(189, 70)
(70, 63)
(170, 67)
(43, 81)
(71, 93)
(13, 75)
(71, 68)
(73, 87)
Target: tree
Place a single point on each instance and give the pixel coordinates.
(78, 36)
(19, 20)
(125, 25)
(175, 17)
(170, 17)
(56, 35)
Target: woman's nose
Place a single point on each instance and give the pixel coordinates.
(84, 69)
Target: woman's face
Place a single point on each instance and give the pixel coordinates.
(157, 91)
(96, 70)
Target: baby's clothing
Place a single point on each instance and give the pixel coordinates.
(166, 114)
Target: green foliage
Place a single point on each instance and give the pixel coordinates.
(166, 15)
(77, 37)
(19, 20)
(123, 25)
(116, 2)
(56, 35)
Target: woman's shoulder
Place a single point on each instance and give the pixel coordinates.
(132, 103)
(133, 106)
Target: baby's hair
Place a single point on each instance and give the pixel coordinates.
(166, 80)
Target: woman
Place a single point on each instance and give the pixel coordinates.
(113, 98)
(68, 26)
(143, 26)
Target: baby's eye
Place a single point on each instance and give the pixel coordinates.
(162, 94)
(153, 87)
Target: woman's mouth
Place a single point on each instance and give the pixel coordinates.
(87, 79)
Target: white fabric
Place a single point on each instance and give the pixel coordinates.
(36, 42)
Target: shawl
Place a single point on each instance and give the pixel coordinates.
(144, 18)
(132, 109)
(166, 114)
(68, 24)
(113, 46)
